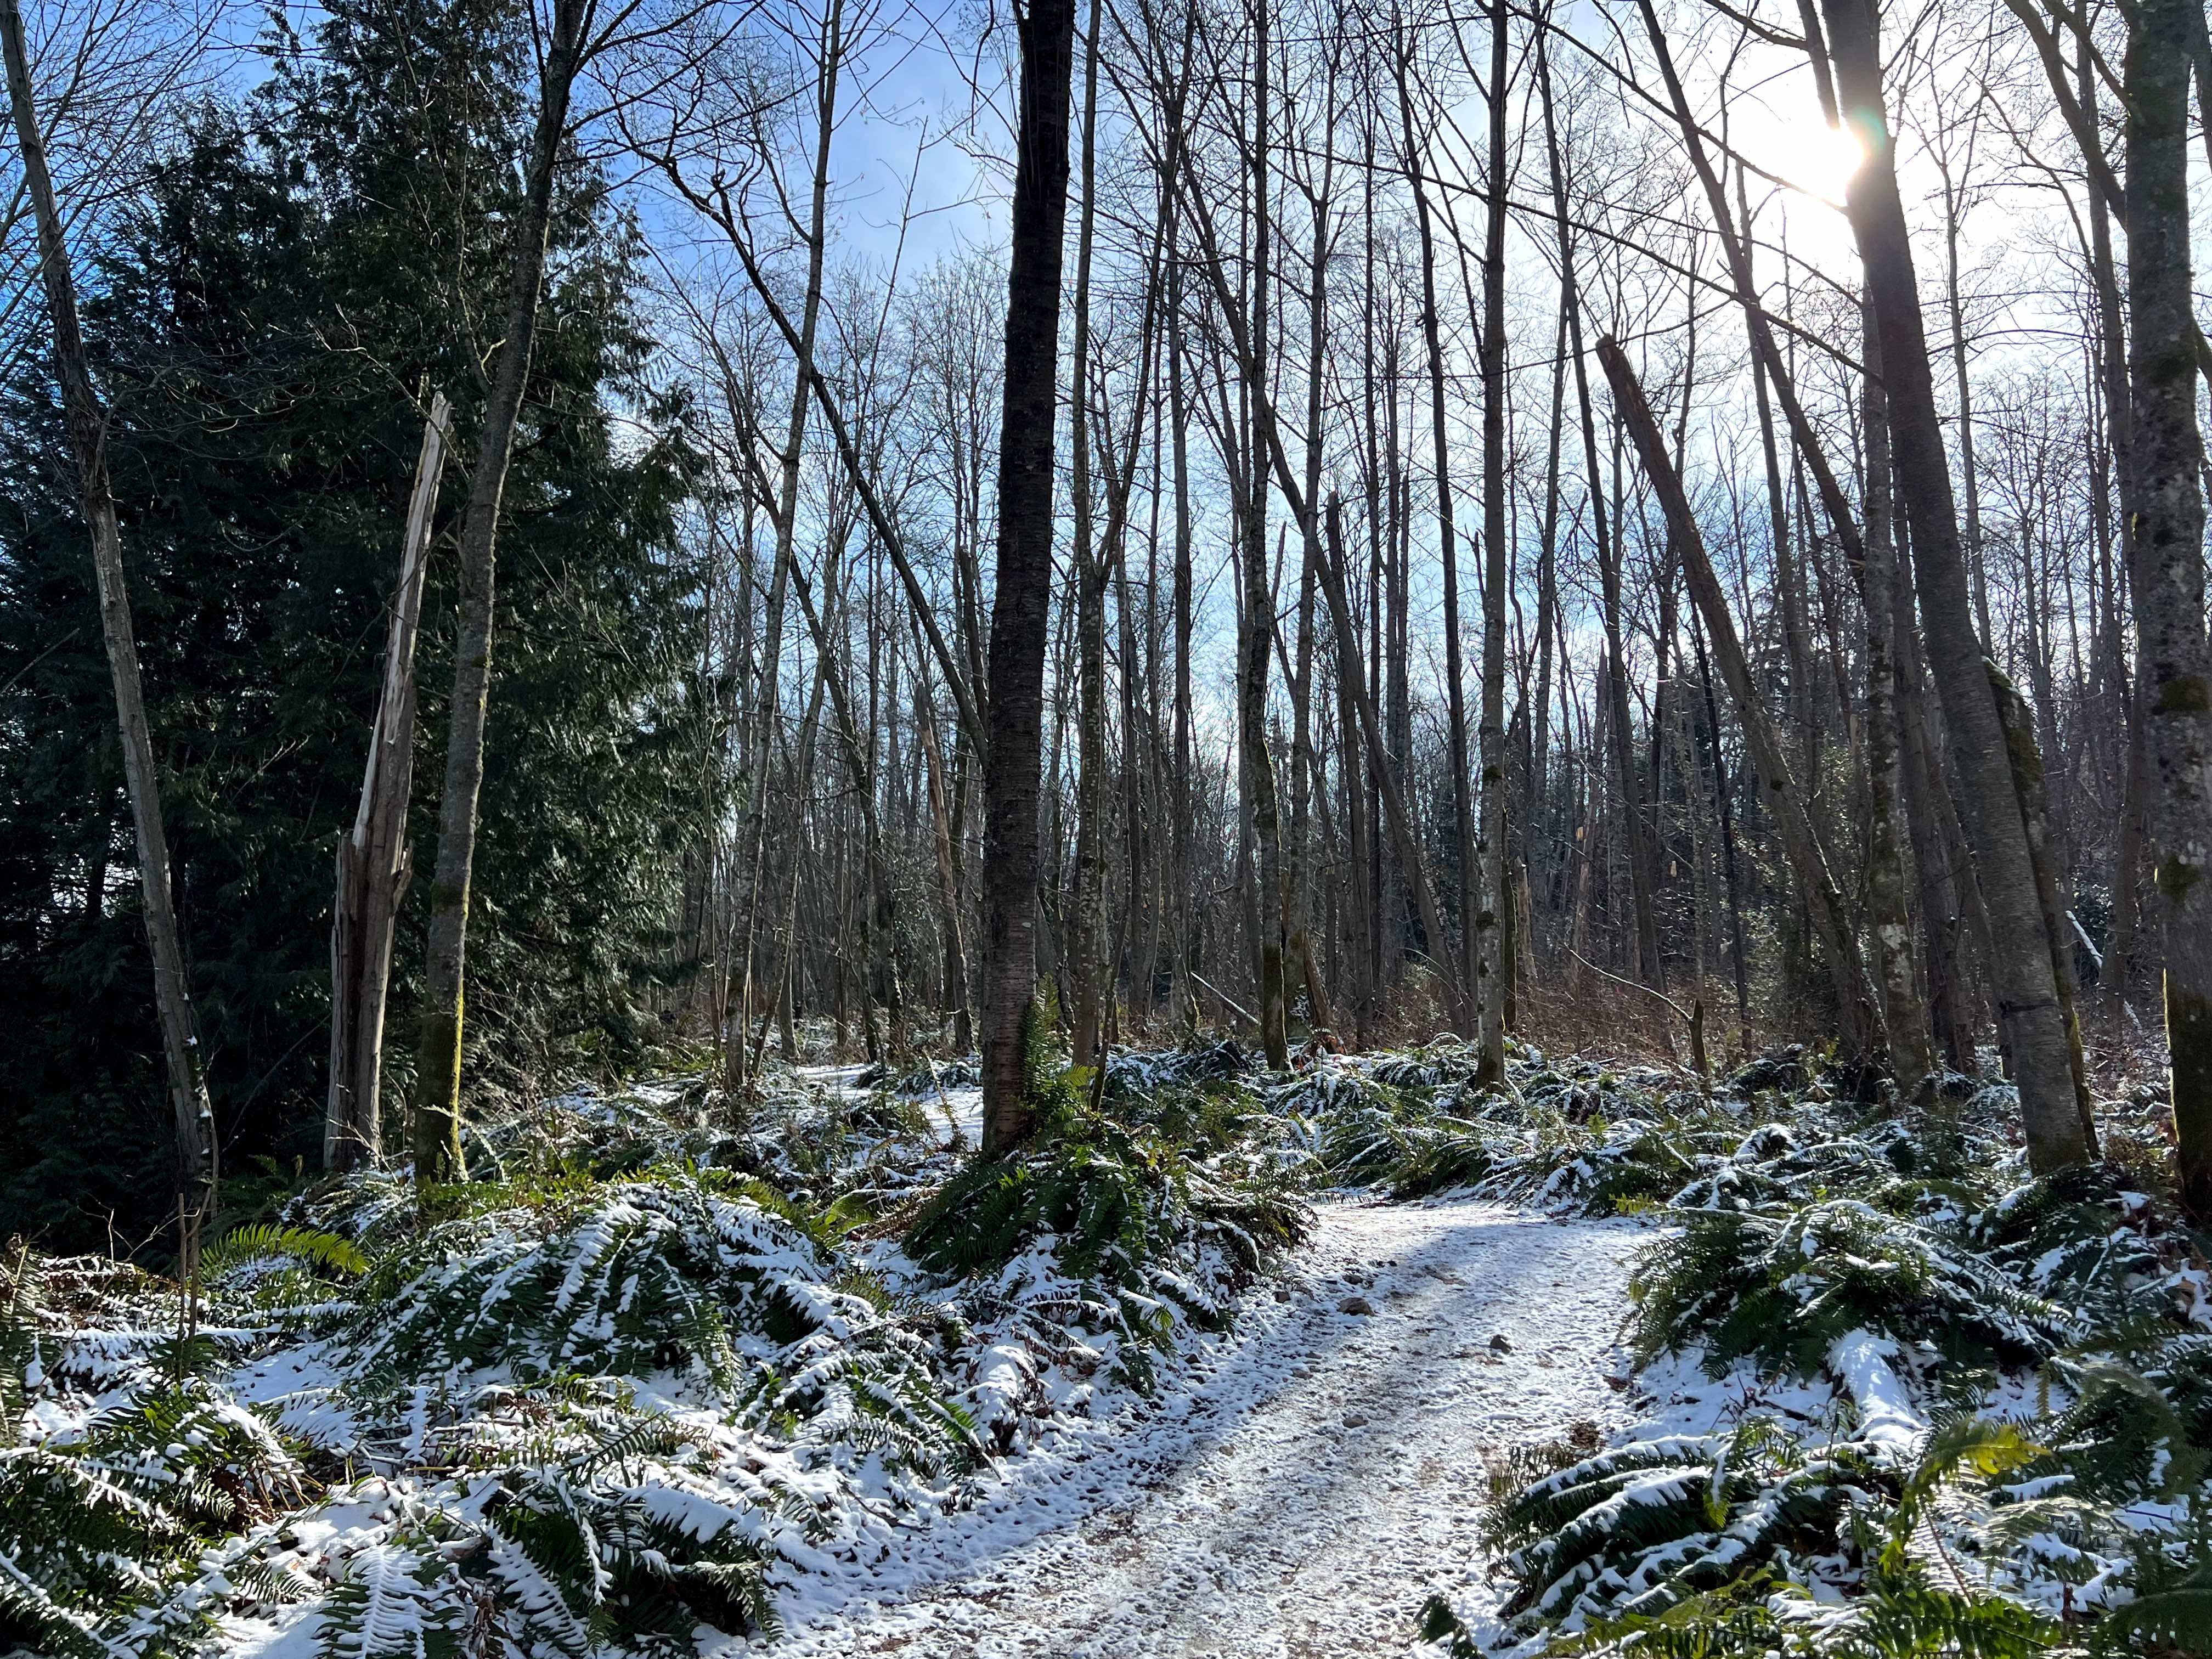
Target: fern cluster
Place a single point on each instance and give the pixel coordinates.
(1782, 1287)
(1800, 1245)
(1108, 1229)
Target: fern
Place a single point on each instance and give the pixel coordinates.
(394, 1603)
(239, 1254)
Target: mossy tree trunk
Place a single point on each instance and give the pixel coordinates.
(2169, 549)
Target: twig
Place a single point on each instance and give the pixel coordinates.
(1693, 1016)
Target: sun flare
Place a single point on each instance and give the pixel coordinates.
(1817, 157)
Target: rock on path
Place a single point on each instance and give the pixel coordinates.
(1297, 1494)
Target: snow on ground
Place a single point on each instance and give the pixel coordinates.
(958, 1108)
(1296, 1491)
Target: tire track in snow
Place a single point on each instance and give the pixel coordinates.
(1297, 1493)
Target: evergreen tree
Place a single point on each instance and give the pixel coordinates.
(298, 270)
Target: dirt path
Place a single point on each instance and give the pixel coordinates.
(1300, 1493)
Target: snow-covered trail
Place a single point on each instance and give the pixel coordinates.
(1299, 1492)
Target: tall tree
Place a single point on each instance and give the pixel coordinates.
(194, 1116)
(2168, 460)
(1021, 603)
(2028, 992)
(436, 1130)
(1489, 971)
(1462, 782)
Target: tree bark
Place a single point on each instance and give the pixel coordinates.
(1905, 1016)
(1990, 805)
(1021, 603)
(2169, 457)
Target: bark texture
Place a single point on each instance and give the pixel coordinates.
(1021, 603)
(2169, 546)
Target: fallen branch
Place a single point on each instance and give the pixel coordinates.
(1225, 999)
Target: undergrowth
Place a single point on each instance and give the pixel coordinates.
(1947, 1408)
(654, 1359)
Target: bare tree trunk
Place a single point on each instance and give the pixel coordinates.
(2169, 457)
(1462, 783)
(437, 1126)
(1992, 806)
(2112, 353)
(1351, 688)
(198, 1191)
(753, 838)
(1905, 1016)
(1490, 963)
(1614, 681)
(373, 865)
(1725, 810)
(1021, 606)
(1310, 787)
(1393, 800)
(1186, 804)
(1947, 889)
(1535, 818)
(1255, 644)
(2027, 772)
(948, 878)
(1086, 914)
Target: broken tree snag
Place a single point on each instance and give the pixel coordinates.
(373, 863)
(1855, 1002)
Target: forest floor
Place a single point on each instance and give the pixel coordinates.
(1301, 1490)
(1239, 1366)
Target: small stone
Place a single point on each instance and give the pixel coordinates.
(1281, 1295)
(1500, 1344)
(1582, 1435)
(1355, 1304)
(1355, 1420)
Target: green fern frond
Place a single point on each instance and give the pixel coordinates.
(249, 1247)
